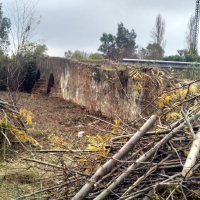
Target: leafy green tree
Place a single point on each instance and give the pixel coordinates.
(83, 55)
(192, 56)
(153, 52)
(95, 56)
(33, 49)
(120, 46)
(80, 55)
(173, 58)
(3, 59)
(184, 56)
(182, 52)
(108, 45)
(5, 24)
(125, 42)
(29, 73)
(142, 53)
(77, 55)
(68, 54)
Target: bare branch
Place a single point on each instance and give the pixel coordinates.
(109, 164)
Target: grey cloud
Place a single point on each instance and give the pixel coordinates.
(78, 24)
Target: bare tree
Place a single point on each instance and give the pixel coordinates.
(190, 42)
(24, 22)
(155, 49)
(158, 31)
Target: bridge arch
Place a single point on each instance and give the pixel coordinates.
(37, 75)
(51, 83)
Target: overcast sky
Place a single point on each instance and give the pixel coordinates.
(78, 24)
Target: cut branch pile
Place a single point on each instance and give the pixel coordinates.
(148, 165)
(158, 161)
(155, 169)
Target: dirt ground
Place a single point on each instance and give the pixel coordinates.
(50, 117)
(60, 117)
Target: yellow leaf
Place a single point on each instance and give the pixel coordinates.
(20, 112)
(24, 112)
(184, 93)
(29, 118)
(32, 97)
(100, 137)
(190, 137)
(87, 171)
(90, 147)
(168, 116)
(167, 99)
(186, 153)
(32, 140)
(15, 116)
(175, 115)
(178, 190)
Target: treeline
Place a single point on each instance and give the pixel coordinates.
(123, 45)
(190, 53)
(184, 56)
(83, 55)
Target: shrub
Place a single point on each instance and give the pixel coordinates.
(96, 56)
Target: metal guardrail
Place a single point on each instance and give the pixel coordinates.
(160, 63)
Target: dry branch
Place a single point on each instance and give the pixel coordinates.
(56, 166)
(111, 163)
(143, 158)
(40, 191)
(192, 157)
(145, 175)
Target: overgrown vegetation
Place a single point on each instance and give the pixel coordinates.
(184, 56)
(82, 55)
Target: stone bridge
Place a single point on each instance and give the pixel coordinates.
(103, 87)
(99, 86)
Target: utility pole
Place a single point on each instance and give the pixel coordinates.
(196, 30)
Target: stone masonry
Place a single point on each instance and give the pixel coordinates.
(99, 86)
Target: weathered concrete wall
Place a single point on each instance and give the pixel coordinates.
(100, 86)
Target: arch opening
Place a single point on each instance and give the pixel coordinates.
(50, 83)
(37, 75)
